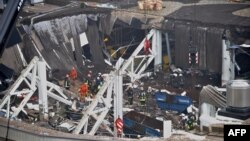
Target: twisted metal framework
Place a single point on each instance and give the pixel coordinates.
(34, 76)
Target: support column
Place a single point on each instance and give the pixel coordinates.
(118, 97)
(157, 49)
(168, 48)
(226, 64)
(42, 89)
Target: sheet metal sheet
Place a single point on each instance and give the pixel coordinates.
(214, 50)
(182, 36)
(207, 41)
(52, 39)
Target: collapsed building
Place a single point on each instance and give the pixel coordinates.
(190, 48)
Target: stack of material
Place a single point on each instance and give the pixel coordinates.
(158, 4)
(150, 4)
(210, 95)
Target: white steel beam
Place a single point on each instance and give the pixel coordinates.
(34, 78)
(226, 64)
(8, 108)
(24, 73)
(157, 49)
(23, 103)
(91, 109)
(42, 87)
(168, 48)
(98, 122)
(58, 98)
(137, 50)
(145, 65)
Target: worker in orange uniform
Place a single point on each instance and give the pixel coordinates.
(119, 126)
(146, 46)
(83, 91)
(73, 73)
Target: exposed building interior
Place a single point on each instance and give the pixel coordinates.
(123, 69)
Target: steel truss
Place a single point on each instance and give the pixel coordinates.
(112, 88)
(34, 78)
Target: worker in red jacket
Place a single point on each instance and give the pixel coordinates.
(146, 46)
(119, 126)
(83, 91)
(73, 73)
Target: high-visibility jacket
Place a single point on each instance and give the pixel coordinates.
(83, 89)
(142, 96)
(73, 73)
(146, 46)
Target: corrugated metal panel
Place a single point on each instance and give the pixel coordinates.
(182, 34)
(214, 49)
(208, 43)
(200, 42)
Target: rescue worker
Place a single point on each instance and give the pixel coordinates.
(130, 96)
(150, 91)
(89, 80)
(98, 83)
(89, 75)
(83, 91)
(142, 97)
(73, 73)
(100, 76)
(67, 82)
(190, 121)
(146, 46)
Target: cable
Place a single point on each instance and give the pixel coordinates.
(243, 51)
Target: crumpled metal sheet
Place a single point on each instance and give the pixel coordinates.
(52, 39)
